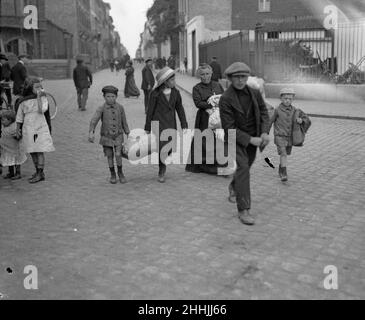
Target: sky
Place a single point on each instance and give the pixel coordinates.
(129, 18)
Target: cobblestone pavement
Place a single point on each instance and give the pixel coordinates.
(182, 240)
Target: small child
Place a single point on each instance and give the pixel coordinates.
(283, 119)
(114, 126)
(11, 154)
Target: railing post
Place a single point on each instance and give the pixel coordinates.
(259, 50)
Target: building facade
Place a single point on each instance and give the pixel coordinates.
(201, 20)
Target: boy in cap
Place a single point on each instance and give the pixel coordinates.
(244, 110)
(114, 126)
(283, 119)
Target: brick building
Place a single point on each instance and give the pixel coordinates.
(49, 41)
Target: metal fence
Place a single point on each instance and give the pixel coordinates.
(296, 55)
(232, 48)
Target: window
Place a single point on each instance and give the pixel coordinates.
(273, 35)
(264, 5)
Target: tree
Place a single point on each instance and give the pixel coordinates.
(163, 15)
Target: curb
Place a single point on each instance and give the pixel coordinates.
(309, 114)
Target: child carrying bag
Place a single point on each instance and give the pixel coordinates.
(300, 130)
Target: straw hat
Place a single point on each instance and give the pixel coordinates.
(164, 75)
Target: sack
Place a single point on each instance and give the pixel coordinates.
(215, 120)
(139, 145)
(299, 130)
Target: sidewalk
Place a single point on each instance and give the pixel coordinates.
(323, 109)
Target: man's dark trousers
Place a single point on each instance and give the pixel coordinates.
(82, 95)
(245, 157)
(146, 99)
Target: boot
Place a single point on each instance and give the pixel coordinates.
(284, 175)
(10, 174)
(38, 177)
(232, 194)
(161, 175)
(246, 217)
(17, 175)
(280, 171)
(121, 176)
(113, 176)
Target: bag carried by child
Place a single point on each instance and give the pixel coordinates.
(300, 130)
(139, 145)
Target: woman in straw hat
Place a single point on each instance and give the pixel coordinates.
(165, 101)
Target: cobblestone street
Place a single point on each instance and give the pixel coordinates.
(182, 240)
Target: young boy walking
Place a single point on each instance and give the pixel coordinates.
(114, 126)
(286, 117)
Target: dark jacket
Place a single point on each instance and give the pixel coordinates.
(82, 77)
(159, 109)
(147, 79)
(201, 93)
(5, 71)
(217, 71)
(233, 117)
(18, 75)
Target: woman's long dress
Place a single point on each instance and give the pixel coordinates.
(201, 93)
(130, 89)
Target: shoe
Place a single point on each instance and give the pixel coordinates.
(122, 179)
(38, 178)
(16, 177)
(246, 218)
(280, 171)
(284, 175)
(113, 179)
(161, 178)
(232, 195)
(83, 109)
(33, 176)
(9, 176)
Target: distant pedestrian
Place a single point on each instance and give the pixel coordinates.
(12, 155)
(217, 71)
(130, 88)
(185, 64)
(111, 65)
(148, 81)
(113, 127)
(288, 120)
(19, 74)
(33, 128)
(165, 102)
(83, 79)
(243, 109)
(5, 74)
(164, 61)
(171, 62)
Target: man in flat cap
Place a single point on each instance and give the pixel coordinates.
(243, 109)
(18, 74)
(148, 82)
(5, 73)
(83, 79)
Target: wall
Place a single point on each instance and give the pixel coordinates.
(49, 69)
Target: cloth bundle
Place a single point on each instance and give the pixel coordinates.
(214, 117)
(139, 145)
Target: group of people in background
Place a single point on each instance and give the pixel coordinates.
(26, 126)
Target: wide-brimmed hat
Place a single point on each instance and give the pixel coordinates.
(238, 68)
(287, 91)
(3, 57)
(164, 75)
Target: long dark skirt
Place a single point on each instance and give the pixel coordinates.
(207, 151)
(130, 89)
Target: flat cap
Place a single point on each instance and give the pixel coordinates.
(238, 68)
(287, 91)
(110, 89)
(148, 59)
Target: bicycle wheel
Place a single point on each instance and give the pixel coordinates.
(52, 105)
